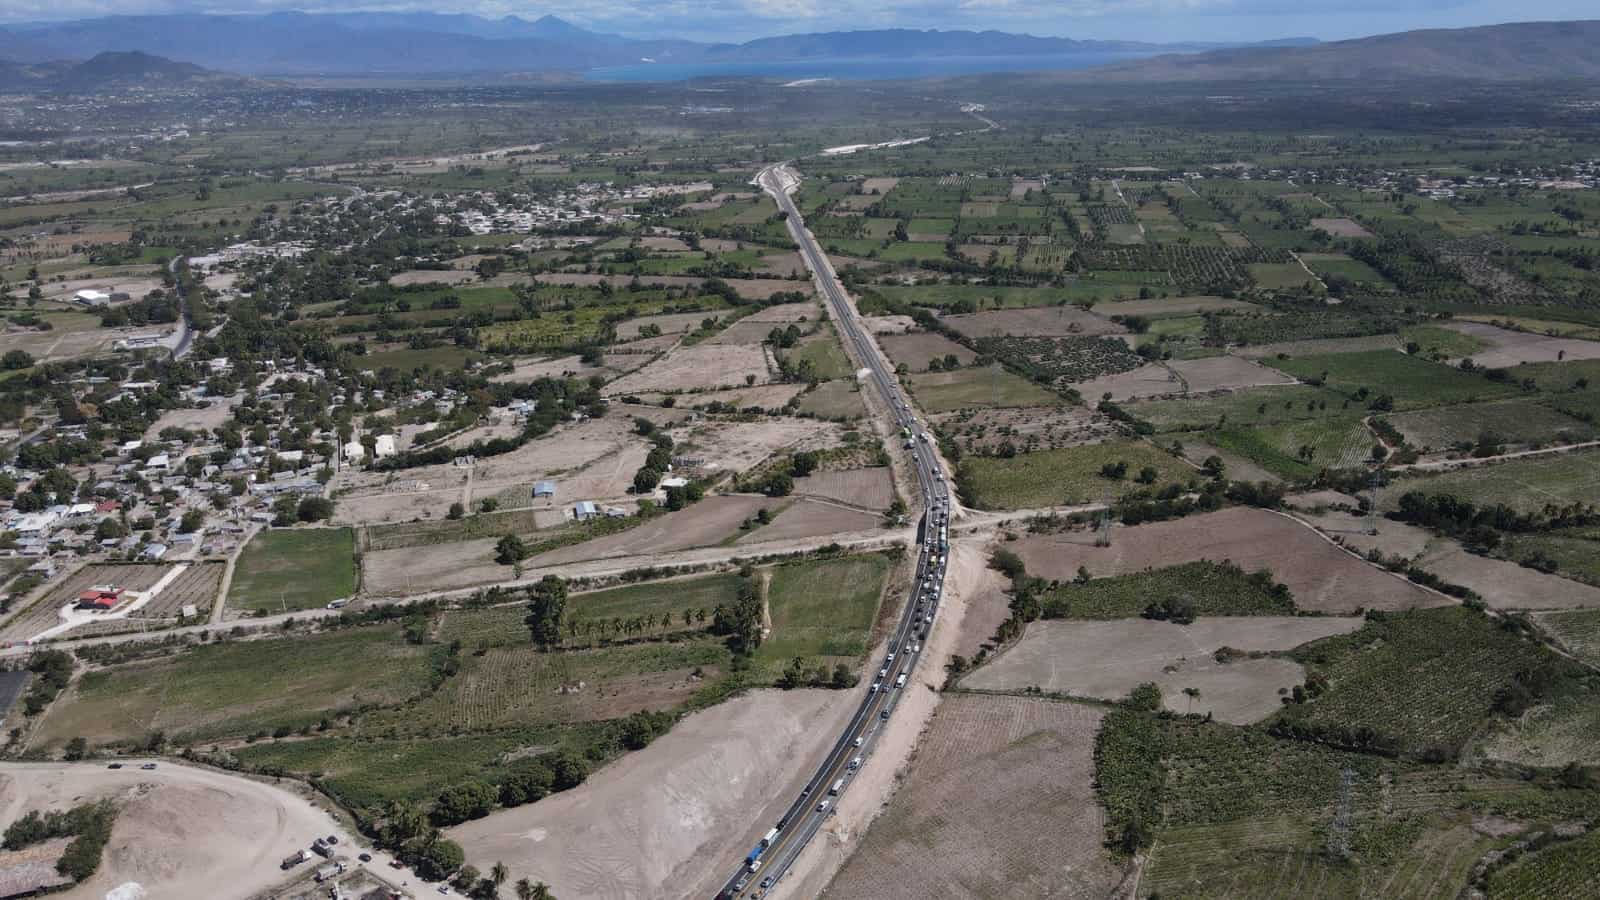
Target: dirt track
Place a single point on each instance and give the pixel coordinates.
(183, 833)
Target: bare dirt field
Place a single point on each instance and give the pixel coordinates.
(736, 446)
(595, 452)
(1237, 467)
(700, 366)
(667, 820)
(765, 396)
(880, 185)
(1321, 577)
(1171, 306)
(1108, 659)
(1319, 347)
(787, 312)
(407, 501)
(915, 350)
(201, 419)
(707, 522)
(1020, 771)
(1506, 585)
(1219, 373)
(1341, 227)
(871, 488)
(744, 331)
(1150, 380)
(811, 518)
(669, 323)
(547, 367)
(670, 244)
(1355, 531)
(1510, 348)
(182, 832)
(432, 276)
(435, 567)
(749, 288)
(889, 324)
(1032, 321)
(1029, 428)
(74, 335)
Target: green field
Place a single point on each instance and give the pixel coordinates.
(1339, 442)
(1412, 382)
(1511, 421)
(1208, 588)
(1445, 342)
(822, 611)
(1063, 477)
(941, 392)
(836, 399)
(1568, 869)
(1422, 681)
(1271, 405)
(234, 689)
(825, 354)
(1278, 276)
(281, 570)
(1526, 485)
(1578, 631)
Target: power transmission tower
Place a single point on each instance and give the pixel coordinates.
(1339, 831)
(1103, 531)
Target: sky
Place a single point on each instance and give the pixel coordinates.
(738, 20)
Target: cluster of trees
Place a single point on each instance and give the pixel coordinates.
(547, 603)
(796, 674)
(52, 669)
(1476, 526)
(779, 480)
(88, 824)
(740, 621)
(287, 510)
(657, 463)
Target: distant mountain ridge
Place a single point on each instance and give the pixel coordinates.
(110, 70)
(296, 43)
(1526, 51)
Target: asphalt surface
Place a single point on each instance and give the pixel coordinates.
(766, 864)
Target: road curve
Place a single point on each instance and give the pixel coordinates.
(766, 864)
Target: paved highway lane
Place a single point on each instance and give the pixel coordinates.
(767, 862)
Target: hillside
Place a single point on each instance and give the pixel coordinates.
(108, 71)
(1520, 52)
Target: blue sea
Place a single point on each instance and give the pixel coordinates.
(858, 69)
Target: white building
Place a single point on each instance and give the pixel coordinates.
(385, 447)
(353, 451)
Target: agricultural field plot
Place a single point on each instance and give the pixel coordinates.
(1366, 533)
(1028, 429)
(72, 335)
(1172, 306)
(1513, 348)
(713, 447)
(699, 367)
(1320, 346)
(1413, 383)
(770, 397)
(1204, 588)
(1338, 267)
(1578, 631)
(1021, 772)
(748, 288)
(194, 418)
(1558, 731)
(1280, 276)
(1438, 341)
(1224, 373)
(821, 355)
(1301, 449)
(1503, 584)
(1065, 477)
(234, 689)
(1108, 659)
(941, 392)
(517, 686)
(1339, 227)
(1568, 869)
(1575, 553)
(669, 323)
(196, 587)
(743, 331)
(44, 613)
(1321, 578)
(708, 522)
(870, 488)
(1575, 377)
(1059, 321)
(1063, 359)
(821, 611)
(1526, 485)
(812, 518)
(1438, 674)
(1250, 407)
(917, 349)
(839, 399)
(281, 570)
(1515, 422)
(1150, 380)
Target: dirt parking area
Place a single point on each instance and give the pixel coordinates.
(1107, 660)
(699, 367)
(918, 348)
(1321, 577)
(1510, 348)
(871, 488)
(1506, 585)
(1020, 771)
(665, 821)
(181, 833)
(1042, 321)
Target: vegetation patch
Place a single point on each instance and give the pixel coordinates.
(1071, 475)
(283, 570)
(1177, 593)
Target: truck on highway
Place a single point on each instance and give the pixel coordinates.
(837, 787)
(901, 681)
(855, 764)
(766, 840)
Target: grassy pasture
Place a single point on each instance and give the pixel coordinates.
(1514, 421)
(1524, 484)
(1212, 589)
(1412, 382)
(289, 569)
(1066, 476)
(822, 611)
(1269, 405)
(940, 392)
(1340, 441)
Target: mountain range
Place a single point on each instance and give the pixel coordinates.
(295, 43)
(109, 71)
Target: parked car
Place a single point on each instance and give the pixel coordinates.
(148, 766)
(365, 857)
(114, 766)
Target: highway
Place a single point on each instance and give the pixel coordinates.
(766, 864)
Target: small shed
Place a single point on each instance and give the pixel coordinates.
(585, 510)
(544, 489)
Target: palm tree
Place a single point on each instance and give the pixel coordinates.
(524, 889)
(499, 874)
(1193, 694)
